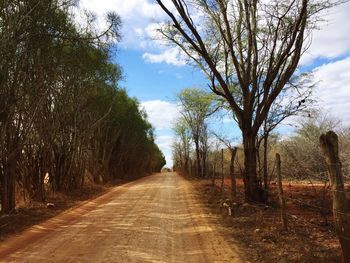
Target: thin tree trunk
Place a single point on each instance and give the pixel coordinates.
(280, 193)
(8, 187)
(198, 157)
(204, 164)
(265, 165)
(222, 170)
(186, 164)
(259, 169)
(213, 175)
(329, 146)
(233, 176)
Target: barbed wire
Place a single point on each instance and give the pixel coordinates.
(325, 172)
(330, 190)
(307, 204)
(307, 222)
(339, 191)
(322, 209)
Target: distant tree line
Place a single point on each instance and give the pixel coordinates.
(192, 129)
(300, 151)
(63, 116)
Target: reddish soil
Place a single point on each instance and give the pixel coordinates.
(30, 213)
(159, 218)
(152, 219)
(310, 238)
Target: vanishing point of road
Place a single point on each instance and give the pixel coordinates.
(155, 219)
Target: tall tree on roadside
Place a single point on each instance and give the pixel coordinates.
(248, 50)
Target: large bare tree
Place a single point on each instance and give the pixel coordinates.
(248, 50)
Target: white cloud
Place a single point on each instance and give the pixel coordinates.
(161, 114)
(170, 56)
(164, 142)
(333, 90)
(139, 18)
(333, 38)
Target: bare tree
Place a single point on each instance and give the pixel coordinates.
(248, 50)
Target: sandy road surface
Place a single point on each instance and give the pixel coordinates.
(154, 219)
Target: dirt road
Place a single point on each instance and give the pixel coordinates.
(154, 219)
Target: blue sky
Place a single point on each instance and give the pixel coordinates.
(155, 81)
(154, 72)
(155, 85)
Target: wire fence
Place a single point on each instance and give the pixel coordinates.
(307, 222)
(321, 209)
(324, 210)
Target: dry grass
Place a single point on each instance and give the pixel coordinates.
(310, 238)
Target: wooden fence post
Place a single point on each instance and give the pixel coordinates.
(233, 176)
(222, 170)
(213, 175)
(280, 193)
(329, 147)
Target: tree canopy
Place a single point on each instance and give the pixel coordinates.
(249, 51)
(63, 116)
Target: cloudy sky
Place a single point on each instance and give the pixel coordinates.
(154, 73)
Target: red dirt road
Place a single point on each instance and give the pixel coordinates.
(155, 219)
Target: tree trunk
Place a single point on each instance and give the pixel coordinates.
(198, 159)
(191, 168)
(8, 187)
(280, 193)
(233, 176)
(204, 164)
(265, 167)
(186, 165)
(253, 193)
(329, 146)
(222, 171)
(213, 176)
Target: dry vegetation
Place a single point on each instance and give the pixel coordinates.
(311, 234)
(67, 126)
(258, 227)
(64, 119)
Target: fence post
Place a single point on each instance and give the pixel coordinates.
(280, 193)
(213, 175)
(233, 176)
(222, 170)
(330, 149)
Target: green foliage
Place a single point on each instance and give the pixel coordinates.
(196, 106)
(62, 113)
